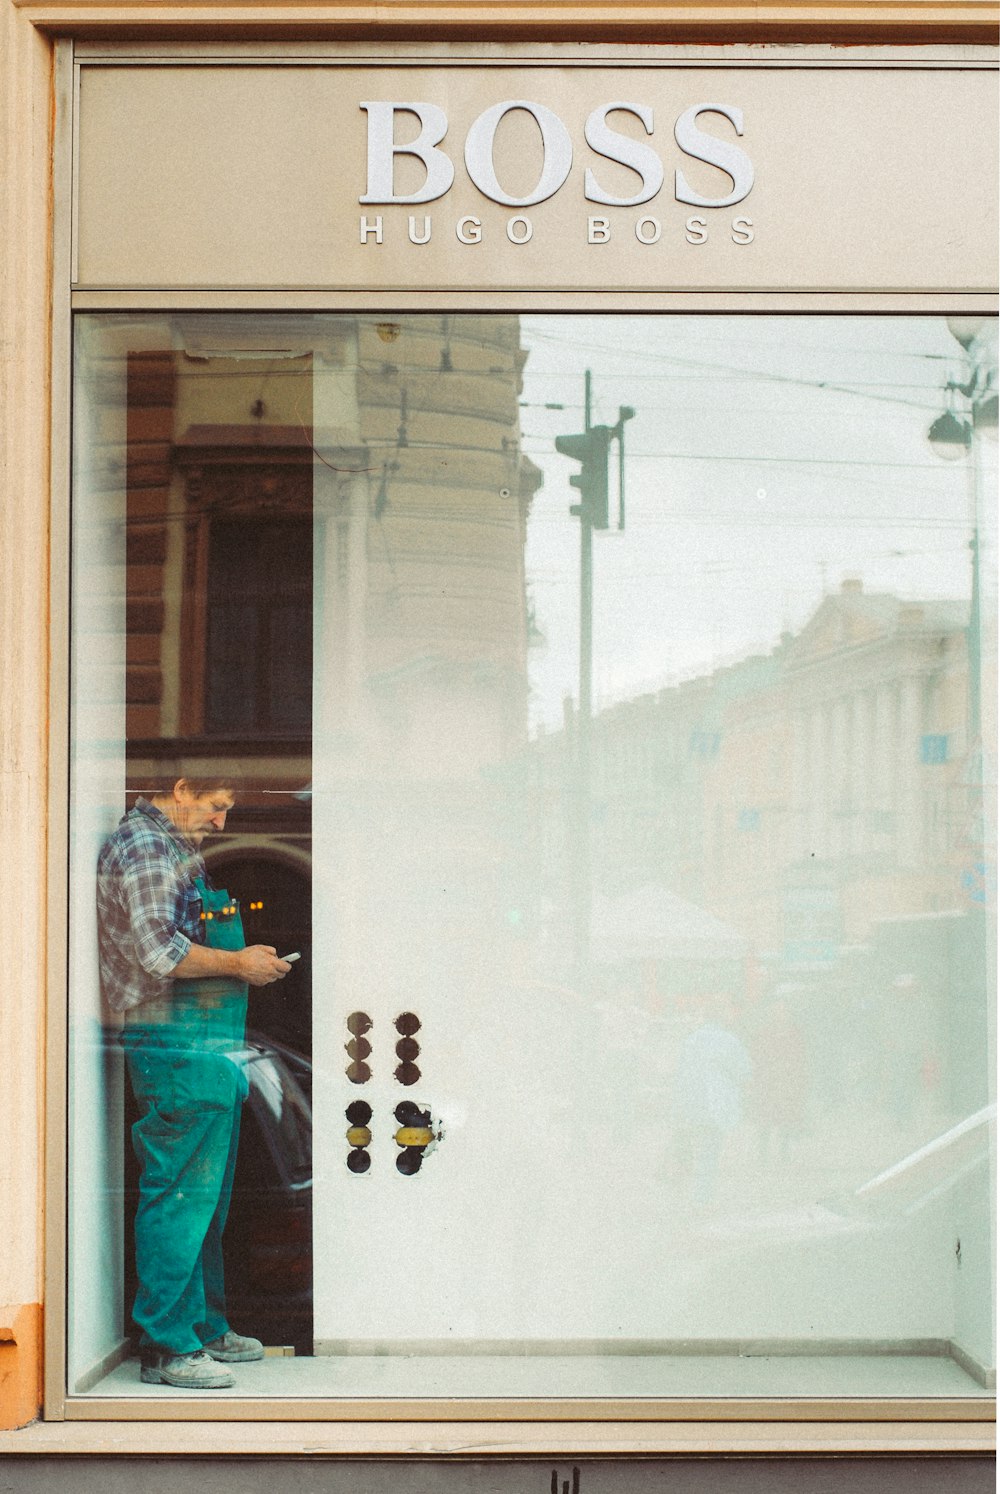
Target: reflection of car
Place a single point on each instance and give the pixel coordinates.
(920, 1182)
(903, 1250)
(929, 1172)
(268, 1238)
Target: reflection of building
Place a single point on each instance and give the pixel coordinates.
(300, 567)
(401, 441)
(800, 796)
(838, 784)
(325, 585)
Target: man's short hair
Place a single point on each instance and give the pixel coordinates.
(162, 783)
(209, 785)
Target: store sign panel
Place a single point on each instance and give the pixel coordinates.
(669, 178)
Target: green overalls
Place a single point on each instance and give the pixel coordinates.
(190, 1091)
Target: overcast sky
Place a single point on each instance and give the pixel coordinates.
(769, 459)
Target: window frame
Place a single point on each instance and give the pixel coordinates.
(636, 1426)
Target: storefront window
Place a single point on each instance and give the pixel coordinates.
(635, 838)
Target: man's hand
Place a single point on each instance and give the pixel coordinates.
(259, 965)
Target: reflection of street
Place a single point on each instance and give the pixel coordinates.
(586, 1198)
(779, 837)
(784, 1139)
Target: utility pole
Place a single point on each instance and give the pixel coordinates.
(582, 858)
(591, 449)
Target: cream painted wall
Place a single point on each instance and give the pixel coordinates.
(25, 116)
(24, 448)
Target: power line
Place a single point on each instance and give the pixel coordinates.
(781, 461)
(735, 373)
(555, 340)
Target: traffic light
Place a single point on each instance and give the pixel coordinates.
(590, 449)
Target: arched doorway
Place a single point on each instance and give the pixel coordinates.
(275, 900)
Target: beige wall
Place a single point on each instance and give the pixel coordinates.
(24, 265)
(26, 108)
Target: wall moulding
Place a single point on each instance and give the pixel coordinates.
(972, 21)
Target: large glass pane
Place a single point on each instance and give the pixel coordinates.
(634, 835)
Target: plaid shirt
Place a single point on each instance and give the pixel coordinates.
(148, 908)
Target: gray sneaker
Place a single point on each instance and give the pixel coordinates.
(233, 1348)
(186, 1371)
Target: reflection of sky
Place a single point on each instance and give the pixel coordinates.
(769, 459)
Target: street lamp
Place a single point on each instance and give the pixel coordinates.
(954, 435)
(949, 436)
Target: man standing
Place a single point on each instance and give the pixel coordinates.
(175, 964)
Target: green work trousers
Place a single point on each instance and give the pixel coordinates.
(182, 1056)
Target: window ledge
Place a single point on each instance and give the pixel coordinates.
(492, 1439)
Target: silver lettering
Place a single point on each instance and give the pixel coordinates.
(641, 159)
(557, 153)
(425, 233)
(469, 230)
(598, 230)
(714, 152)
(697, 230)
(368, 228)
(383, 150)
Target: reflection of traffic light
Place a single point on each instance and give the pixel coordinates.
(590, 449)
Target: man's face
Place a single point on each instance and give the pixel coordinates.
(197, 814)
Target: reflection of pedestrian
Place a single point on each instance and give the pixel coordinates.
(780, 1079)
(175, 964)
(713, 1067)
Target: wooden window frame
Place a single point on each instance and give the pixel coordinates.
(497, 1427)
